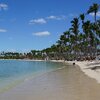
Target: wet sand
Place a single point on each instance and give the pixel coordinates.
(69, 83)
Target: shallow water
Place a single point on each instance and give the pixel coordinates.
(13, 72)
(69, 83)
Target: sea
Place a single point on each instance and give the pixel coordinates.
(14, 72)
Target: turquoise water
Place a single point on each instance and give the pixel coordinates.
(12, 72)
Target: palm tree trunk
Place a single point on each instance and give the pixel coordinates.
(95, 17)
(95, 35)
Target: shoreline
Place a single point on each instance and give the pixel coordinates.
(28, 78)
(23, 59)
(85, 66)
(68, 83)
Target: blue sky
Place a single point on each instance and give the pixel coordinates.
(36, 24)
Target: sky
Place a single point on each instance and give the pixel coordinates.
(37, 24)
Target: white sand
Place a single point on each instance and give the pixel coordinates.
(86, 66)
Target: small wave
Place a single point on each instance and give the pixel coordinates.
(61, 67)
(40, 74)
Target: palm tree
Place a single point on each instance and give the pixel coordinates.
(54, 51)
(67, 47)
(67, 37)
(87, 31)
(63, 40)
(75, 27)
(75, 31)
(59, 46)
(82, 17)
(67, 33)
(93, 9)
(98, 28)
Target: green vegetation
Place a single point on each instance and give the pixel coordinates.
(80, 42)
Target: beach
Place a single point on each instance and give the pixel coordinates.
(90, 68)
(68, 83)
(50, 50)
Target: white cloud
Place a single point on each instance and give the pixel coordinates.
(44, 20)
(44, 33)
(98, 14)
(52, 17)
(11, 50)
(38, 21)
(3, 6)
(3, 30)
